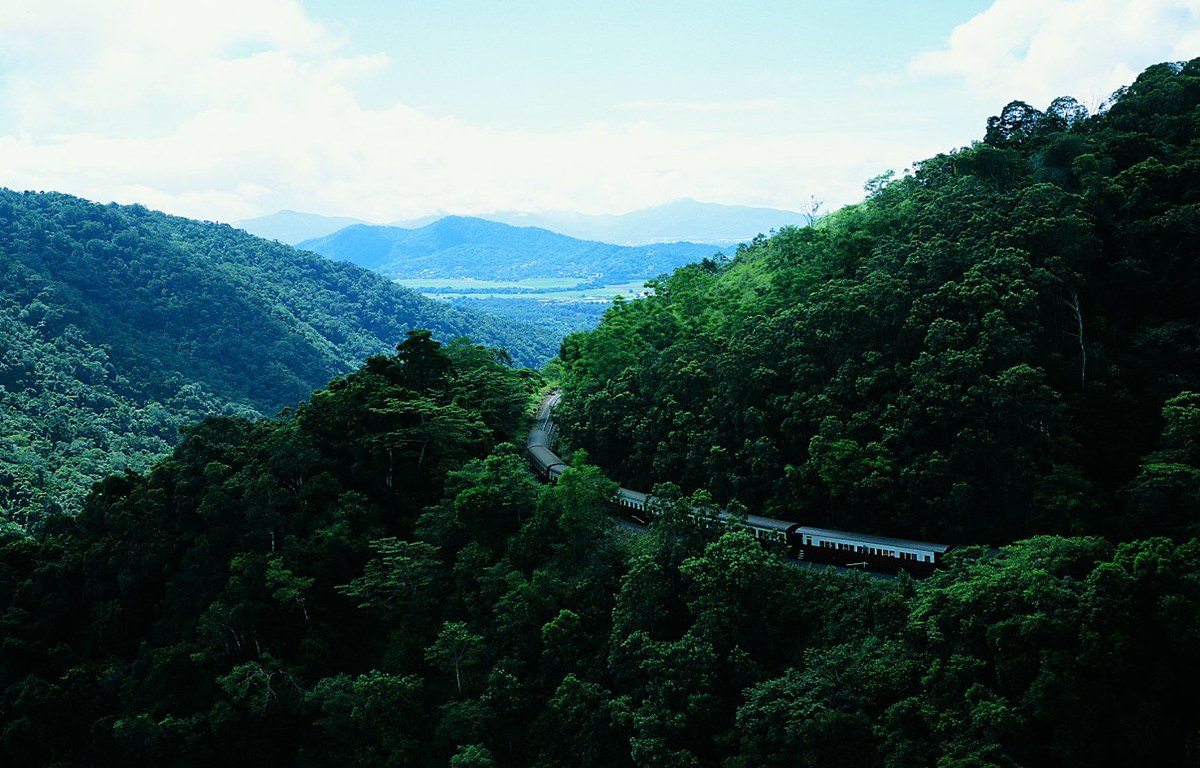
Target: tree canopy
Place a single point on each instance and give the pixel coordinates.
(119, 325)
(987, 348)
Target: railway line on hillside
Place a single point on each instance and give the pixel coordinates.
(804, 543)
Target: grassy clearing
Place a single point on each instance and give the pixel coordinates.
(602, 293)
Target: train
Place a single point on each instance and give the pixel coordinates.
(802, 542)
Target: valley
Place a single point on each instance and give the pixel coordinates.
(553, 282)
(271, 505)
(547, 289)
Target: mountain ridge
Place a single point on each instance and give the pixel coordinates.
(118, 325)
(464, 246)
(684, 220)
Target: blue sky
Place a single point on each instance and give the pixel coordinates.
(556, 63)
(393, 110)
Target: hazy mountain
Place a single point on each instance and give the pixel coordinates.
(683, 220)
(458, 246)
(292, 227)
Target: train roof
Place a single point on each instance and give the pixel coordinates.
(868, 539)
(636, 496)
(544, 456)
(754, 521)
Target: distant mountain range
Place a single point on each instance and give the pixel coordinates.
(684, 220)
(458, 246)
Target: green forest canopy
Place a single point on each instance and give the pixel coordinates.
(118, 325)
(374, 579)
(1004, 341)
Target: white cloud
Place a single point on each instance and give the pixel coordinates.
(1035, 50)
(705, 107)
(247, 106)
(236, 108)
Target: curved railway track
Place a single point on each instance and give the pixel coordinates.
(806, 543)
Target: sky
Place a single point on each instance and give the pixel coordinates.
(230, 109)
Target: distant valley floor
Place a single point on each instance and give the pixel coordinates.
(561, 305)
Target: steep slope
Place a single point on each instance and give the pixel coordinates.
(458, 246)
(360, 581)
(118, 324)
(1004, 343)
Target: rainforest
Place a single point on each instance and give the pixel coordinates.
(998, 349)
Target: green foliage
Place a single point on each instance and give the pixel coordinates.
(118, 326)
(980, 351)
(265, 595)
(373, 578)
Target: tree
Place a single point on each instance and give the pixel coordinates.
(371, 719)
(398, 579)
(472, 756)
(456, 650)
(423, 365)
(1016, 123)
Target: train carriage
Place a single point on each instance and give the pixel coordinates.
(824, 545)
(544, 461)
(633, 503)
(768, 529)
(819, 545)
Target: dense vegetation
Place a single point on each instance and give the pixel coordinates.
(118, 325)
(1003, 342)
(559, 317)
(362, 582)
(458, 246)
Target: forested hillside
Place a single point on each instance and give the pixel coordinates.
(118, 325)
(1002, 342)
(375, 579)
(458, 246)
(1005, 341)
